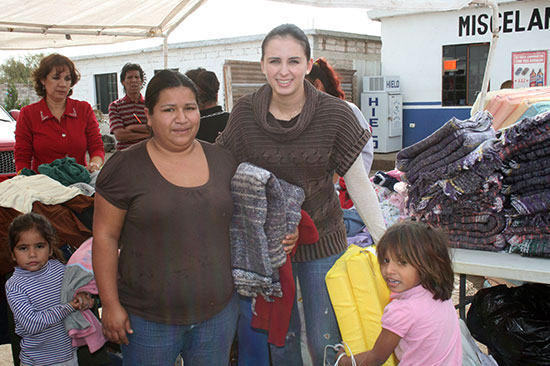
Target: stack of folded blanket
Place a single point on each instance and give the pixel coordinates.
(526, 183)
(487, 190)
(455, 182)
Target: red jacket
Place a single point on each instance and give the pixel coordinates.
(343, 195)
(41, 138)
(275, 316)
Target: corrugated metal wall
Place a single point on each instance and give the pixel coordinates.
(245, 77)
(241, 78)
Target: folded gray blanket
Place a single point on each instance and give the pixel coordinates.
(476, 230)
(460, 132)
(265, 210)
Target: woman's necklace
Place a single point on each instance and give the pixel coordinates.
(287, 116)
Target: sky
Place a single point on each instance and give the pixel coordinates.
(233, 18)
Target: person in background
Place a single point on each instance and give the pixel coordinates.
(508, 84)
(420, 324)
(304, 136)
(34, 292)
(166, 204)
(326, 79)
(57, 126)
(213, 118)
(127, 115)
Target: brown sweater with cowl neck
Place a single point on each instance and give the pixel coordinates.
(306, 151)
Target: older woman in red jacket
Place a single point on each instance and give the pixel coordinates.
(57, 126)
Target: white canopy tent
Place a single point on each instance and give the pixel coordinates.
(38, 24)
(395, 5)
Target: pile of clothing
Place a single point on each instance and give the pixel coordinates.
(526, 184)
(508, 106)
(455, 183)
(392, 193)
(488, 190)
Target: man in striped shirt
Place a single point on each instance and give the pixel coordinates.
(127, 114)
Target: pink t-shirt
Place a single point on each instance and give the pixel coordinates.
(429, 330)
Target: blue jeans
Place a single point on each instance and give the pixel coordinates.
(205, 343)
(321, 325)
(253, 346)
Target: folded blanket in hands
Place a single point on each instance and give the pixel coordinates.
(82, 326)
(265, 210)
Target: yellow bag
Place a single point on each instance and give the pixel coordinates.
(358, 294)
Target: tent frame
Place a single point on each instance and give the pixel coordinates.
(136, 32)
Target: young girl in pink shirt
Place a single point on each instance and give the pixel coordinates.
(420, 323)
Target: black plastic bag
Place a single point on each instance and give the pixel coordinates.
(514, 323)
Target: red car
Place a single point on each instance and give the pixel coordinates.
(7, 144)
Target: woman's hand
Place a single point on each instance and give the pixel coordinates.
(116, 323)
(289, 242)
(94, 164)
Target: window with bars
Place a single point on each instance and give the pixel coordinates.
(106, 90)
(463, 68)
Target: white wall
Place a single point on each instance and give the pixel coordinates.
(184, 56)
(412, 47)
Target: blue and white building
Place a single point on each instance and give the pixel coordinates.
(440, 57)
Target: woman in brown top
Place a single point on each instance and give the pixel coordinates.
(304, 136)
(166, 204)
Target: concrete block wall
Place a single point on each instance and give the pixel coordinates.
(344, 48)
(350, 51)
(24, 91)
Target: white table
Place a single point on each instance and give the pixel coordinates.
(501, 265)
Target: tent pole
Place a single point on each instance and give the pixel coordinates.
(165, 51)
(495, 30)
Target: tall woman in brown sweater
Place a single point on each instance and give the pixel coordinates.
(304, 136)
